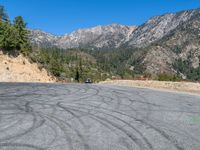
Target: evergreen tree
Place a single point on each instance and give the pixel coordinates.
(21, 41)
(3, 15)
(77, 77)
(7, 36)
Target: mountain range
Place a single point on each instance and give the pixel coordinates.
(169, 43)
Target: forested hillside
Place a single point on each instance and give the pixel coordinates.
(164, 48)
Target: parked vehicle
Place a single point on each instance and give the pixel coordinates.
(88, 80)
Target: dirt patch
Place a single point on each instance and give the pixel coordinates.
(163, 85)
(19, 69)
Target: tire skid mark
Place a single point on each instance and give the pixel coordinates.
(12, 125)
(161, 132)
(128, 134)
(34, 126)
(107, 125)
(105, 106)
(146, 103)
(55, 133)
(87, 96)
(175, 128)
(55, 121)
(62, 125)
(21, 145)
(62, 128)
(72, 113)
(164, 123)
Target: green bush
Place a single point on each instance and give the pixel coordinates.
(167, 77)
(184, 67)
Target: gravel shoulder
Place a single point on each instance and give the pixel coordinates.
(188, 87)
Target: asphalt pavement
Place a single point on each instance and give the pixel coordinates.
(96, 117)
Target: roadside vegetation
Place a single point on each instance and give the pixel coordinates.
(184, 66)
(69, 65)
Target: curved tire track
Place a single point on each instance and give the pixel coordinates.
(94, 117)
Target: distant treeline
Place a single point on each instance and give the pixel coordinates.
(68, 65)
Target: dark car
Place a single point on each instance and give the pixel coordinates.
(88, 80)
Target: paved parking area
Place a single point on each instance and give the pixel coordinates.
(96, 117)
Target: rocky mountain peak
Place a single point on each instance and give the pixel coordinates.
(157, 27)
(109, 36)
(116, 35)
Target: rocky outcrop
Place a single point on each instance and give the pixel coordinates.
(111, 36)
(157, 27)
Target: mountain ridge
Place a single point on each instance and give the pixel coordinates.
(115, 35)
(83, 37)
(164, 44)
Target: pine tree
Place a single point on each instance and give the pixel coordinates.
(7, 36)
(3, 15)
(6, 41)
(21, 41)
(77, 76)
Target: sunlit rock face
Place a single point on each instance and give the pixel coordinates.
(111, 36)
(115, 35)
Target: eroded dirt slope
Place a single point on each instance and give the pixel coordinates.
(19, 69)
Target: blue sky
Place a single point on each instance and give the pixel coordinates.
(64, 16)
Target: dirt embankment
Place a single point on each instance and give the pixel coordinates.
(162, 85)
(19, 69)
